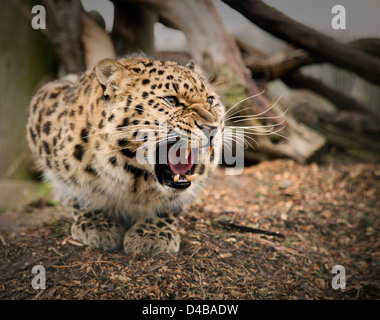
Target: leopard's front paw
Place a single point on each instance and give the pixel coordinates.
(100, 233)
(151, 237)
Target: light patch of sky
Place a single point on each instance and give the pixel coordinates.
(104, 7)
(361, 16)
(361, 19)
(169, 39)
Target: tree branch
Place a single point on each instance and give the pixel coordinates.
(54, 25)
(368, 45)
(342, 101)
(316, 43)
(97, 44)
(133, 28)
(277, 65)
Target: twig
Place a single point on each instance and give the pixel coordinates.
(51, 248)
(38, 294)
(3, 241)
(229, 226)
(82, 264)
(75, 243)
(170, 254)
(278, 248)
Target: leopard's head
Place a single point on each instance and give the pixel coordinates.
(164, 117)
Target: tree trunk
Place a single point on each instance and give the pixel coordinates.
(63, 29)
(97, 44)
(25, 58)
(133, 29)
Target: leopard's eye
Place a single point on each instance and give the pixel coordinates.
(172, 100)
(210, 100)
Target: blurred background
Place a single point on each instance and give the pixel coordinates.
(321, 84)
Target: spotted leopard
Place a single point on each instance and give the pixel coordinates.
(92, 138)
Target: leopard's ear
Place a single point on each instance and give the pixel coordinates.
(107, 68)
(190, 64)
(196, 68)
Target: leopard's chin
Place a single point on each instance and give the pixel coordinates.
(177, 176)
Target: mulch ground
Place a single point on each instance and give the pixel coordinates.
(329, 215)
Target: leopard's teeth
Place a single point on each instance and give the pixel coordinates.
(191, 177)
(187, 153)
(176, 178)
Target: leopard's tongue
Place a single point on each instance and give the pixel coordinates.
(180, 160)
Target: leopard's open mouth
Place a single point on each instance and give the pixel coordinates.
(175, 165)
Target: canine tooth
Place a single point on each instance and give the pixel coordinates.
(176, 178)
(187, 153)
(191, 177)
(211, 147)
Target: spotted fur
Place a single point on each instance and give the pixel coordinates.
(83, 134)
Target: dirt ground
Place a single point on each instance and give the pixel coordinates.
(328, 215)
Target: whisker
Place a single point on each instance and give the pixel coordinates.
(145, 189)
(254, 140)
(261, 113)
(247, 143)
(258, 94)
(254, 117)
(123, 129)
(149, 144)
(237, 112)
(269, 133)
(258, 126)
(240, 140)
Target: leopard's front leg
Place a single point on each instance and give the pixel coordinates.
(153, 235)
(95, 229)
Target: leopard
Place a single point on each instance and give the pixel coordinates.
(121, 145)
